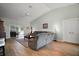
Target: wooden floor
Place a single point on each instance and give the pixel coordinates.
(14, 48)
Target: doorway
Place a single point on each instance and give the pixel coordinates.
(13, 31)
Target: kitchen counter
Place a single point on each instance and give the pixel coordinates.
(2, 42)
(2, 45)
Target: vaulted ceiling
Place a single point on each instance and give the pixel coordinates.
(28, 10)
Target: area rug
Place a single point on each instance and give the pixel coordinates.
(23, 42)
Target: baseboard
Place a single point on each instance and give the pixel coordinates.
(67, 42)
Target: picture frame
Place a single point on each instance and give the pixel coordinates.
(45, 25)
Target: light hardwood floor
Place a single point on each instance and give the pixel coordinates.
(14, 48)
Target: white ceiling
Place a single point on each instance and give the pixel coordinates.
(57, 5)
(19, 10)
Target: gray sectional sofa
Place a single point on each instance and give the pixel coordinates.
(39, 39)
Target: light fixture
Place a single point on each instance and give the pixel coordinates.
(28, 10)
(27, 14)
(30, 6)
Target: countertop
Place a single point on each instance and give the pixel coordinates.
(2, 42)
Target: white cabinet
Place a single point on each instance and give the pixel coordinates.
(71, 30)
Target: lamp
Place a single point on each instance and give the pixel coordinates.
(56, 28)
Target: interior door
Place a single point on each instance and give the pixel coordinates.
(71, 30)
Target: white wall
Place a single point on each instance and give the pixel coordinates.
(36, 11)
(55, 17)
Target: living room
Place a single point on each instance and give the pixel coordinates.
(39, 29)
